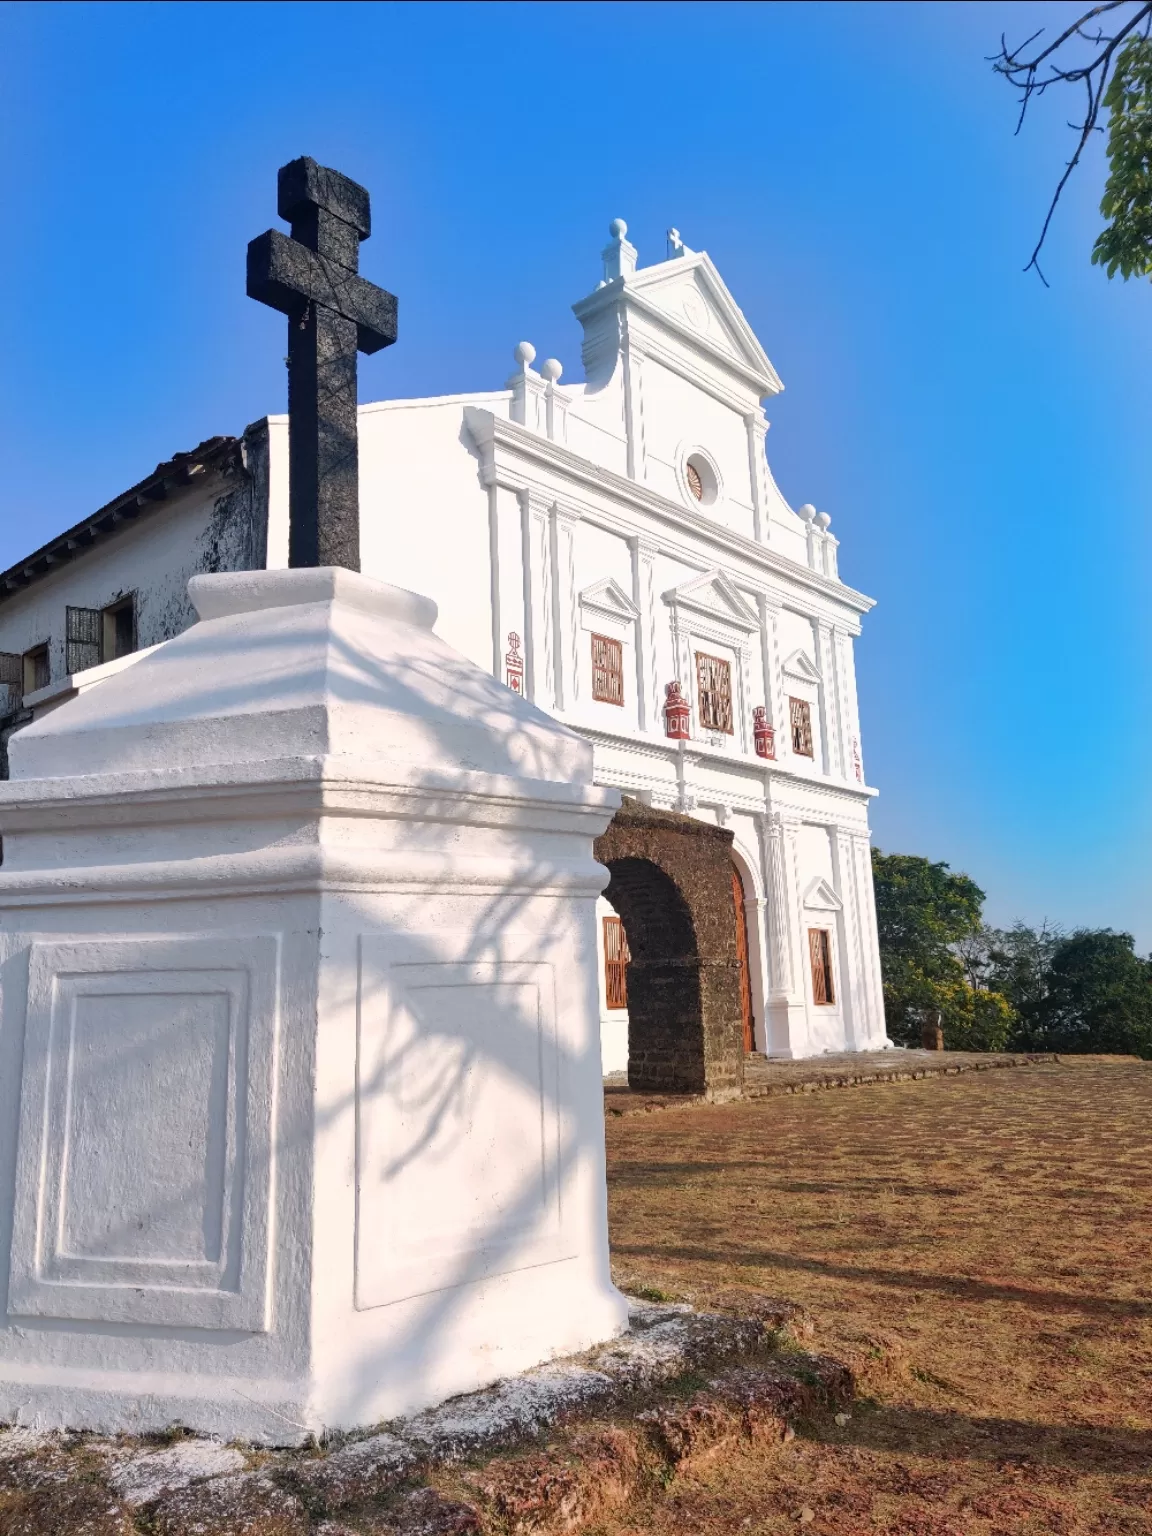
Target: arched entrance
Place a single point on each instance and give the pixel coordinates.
(672, 888)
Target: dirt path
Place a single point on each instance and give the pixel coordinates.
(979, 1248)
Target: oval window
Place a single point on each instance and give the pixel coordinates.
(701, 479)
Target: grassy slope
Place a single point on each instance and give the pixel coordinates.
(979, 1248)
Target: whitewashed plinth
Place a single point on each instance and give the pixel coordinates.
(301, 1123)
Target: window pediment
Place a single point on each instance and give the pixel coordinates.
(606, 601)
(799, 665)
(821, 897)
(715, 597)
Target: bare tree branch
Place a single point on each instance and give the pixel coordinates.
(1033, 75)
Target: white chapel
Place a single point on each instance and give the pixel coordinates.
(615, 550)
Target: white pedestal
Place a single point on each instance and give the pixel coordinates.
(299, 1059)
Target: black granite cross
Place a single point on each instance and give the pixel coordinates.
(333, 313)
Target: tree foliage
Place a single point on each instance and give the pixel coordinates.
(1125, 246)
(924, 912)
(1115, 74)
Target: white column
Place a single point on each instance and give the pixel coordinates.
(785, 1009)
(539, 670)
(774, 701)
(565, 619)
(648, 716)
(757, 429)
(877, 1036)
(846, 670)
(633, 382)
(853, 993)
(831, 733)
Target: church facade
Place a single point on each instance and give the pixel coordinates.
(615, 550)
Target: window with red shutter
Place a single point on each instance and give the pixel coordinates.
(616, 958)
(714, 692)
(800, 714)
(607, 670)
(820, 950)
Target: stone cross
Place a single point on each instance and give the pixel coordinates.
(333, 312)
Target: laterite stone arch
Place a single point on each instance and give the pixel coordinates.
(672, 888)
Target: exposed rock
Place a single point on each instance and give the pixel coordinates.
(427, 1513)
(359, 1470)
(245, 1504)
(141, 1478)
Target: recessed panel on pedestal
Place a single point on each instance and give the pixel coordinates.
(459, 1124)
(144, 1163)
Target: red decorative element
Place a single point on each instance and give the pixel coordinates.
(514, 664)
(763, 734)
(859, 767)
(676, 713)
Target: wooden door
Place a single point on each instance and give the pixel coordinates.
(742, 953)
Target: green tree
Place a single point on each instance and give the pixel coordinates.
(924, 911)
(1114, 72)
(1097, 997)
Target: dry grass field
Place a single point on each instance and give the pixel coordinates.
(978, 1248)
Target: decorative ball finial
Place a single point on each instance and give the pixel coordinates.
(551, 368)
(822, 520)
(807, 511)
(525, 354)
(617, 229)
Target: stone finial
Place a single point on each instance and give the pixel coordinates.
(620, 254)
(525, 354)
(822, 520)
(551, 368)
(807, 511)
(676, 246)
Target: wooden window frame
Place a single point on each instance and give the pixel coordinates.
(820, 962)
(714, 718)
(608, 680)
(800, 724)
(616, 958)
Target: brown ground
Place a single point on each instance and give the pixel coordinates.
(978, 1248)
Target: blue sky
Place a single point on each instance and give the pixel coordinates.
(981, 442)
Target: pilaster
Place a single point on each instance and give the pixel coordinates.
(644, 553)
(564, 616)
(538, 628)
(757, 429)
(785, 1012)
(831, 731)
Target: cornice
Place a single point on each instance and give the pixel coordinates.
(490, 432)
(702, 753)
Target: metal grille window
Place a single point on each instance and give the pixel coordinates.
(607, 670)
(714, 692)
(616, 958)
(84, 636)
(800, 714)
(820, 951)
(37, 669)
(11, 681)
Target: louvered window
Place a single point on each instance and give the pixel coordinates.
(714, 692)
(616, 958)
(800, 713)
(11, 681)
(84, 636)
(607, 670)
(820, 951)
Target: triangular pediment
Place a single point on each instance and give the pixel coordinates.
(715, 595)
(689, 294)
(608, 596)
(822, 897)
(800, 665)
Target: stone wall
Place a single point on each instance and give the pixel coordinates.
(672, 886)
